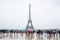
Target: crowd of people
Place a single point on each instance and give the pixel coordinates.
(29, 34)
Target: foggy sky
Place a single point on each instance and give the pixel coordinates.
(14, 14)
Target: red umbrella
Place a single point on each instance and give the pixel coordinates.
(30, 31)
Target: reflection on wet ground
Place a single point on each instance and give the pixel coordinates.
(33, 36)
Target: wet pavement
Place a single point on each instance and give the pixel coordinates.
(23, 36)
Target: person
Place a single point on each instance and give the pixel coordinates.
(11, 33)
(29, 34)
(22, 32)
(59, 33)
(0, 34)
(38, 34)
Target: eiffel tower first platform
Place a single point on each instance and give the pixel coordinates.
(29, 24)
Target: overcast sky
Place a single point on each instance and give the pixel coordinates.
(14, 14)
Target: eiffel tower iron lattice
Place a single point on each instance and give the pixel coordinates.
(29, 24)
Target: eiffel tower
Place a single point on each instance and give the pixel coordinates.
(29, 24)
